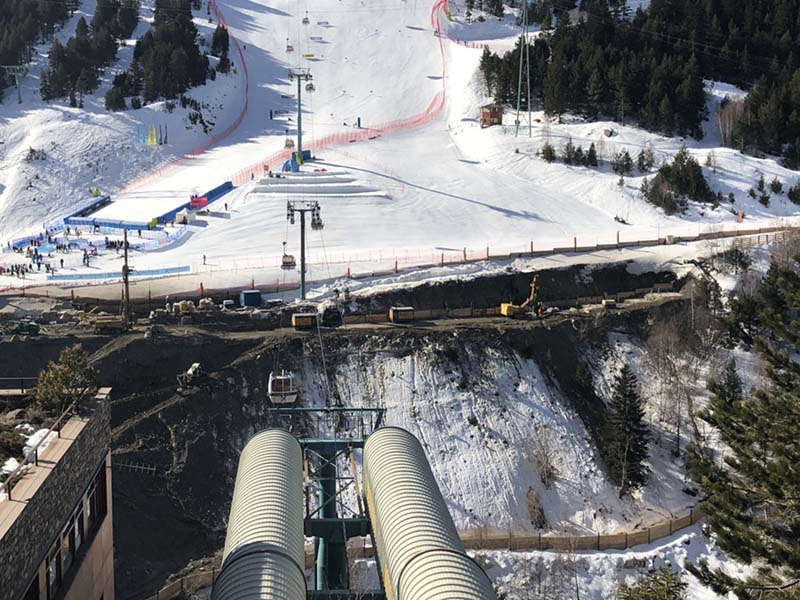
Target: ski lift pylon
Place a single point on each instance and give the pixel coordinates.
(281, 388)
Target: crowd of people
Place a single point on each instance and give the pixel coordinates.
(37, 260)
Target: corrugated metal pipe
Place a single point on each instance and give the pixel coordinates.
(420, 553)
(264, 558)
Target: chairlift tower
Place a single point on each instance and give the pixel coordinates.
(18, 72)
(300, 75)
(302, 207)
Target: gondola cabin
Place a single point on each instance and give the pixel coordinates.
(304, 321)
(288, 262)
(282, 388)
(401, 314)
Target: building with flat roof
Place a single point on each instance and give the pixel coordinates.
(56, 535)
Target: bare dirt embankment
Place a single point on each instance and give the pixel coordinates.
(176, 511)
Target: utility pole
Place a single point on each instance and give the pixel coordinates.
(301, 75)
(303, 207)
(18, 72)
(126, 290)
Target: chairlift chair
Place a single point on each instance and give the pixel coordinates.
(282, 388)
(306, 20)
(310, 87)
(288, 144)
(289, 47)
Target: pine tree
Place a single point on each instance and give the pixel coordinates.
(794, 193)
(627, 434)
(495, 8)
(666, 116)
(726, 392)
(555, 87)
(753, 495)
(595, 92)
(645, 160)
(487, 67)
(44, 86)
(220, 41)
(568, 152)
(71, 380)
(548, 152)
(664, 584)
(591, 156)
(115, 101)
(622, 163)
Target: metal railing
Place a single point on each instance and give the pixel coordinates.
(33, 455)
(18, 384)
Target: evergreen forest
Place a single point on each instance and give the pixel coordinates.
(650, 66)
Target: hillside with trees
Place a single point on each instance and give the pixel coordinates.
(24, 24)
(75, 67)
(753, 491)
(650, 67)
(167, 59)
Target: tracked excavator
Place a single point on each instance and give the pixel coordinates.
(192, 378)
(507, 309)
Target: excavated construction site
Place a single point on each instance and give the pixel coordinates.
(175, 454)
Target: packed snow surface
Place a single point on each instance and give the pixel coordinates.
(445, 187)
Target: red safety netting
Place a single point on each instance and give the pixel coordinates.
(276, 159)
(434, 108)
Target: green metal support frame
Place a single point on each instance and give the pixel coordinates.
(331, 435)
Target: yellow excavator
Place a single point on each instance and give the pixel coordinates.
(508, 309)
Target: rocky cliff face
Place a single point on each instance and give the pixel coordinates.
(476, 396)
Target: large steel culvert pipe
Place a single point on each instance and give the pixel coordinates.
(420, 553)
(264, 556)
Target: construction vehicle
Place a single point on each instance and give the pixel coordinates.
(108, 324)
(190, 378)
(401, 314)
(508, 309)
(330, 313)
(24, 327)
(304, 321)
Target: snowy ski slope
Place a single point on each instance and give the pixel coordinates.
(444, 186)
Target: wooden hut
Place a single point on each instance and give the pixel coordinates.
(491, 114)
